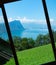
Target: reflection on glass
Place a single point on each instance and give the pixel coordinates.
(29, 31)
(5, 48)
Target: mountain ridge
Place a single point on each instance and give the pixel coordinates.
(14, 25)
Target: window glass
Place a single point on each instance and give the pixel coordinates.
(5, 48)
(29, 32)
(2, 27)
(52, 14)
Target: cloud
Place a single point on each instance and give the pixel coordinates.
(10, 19)
(2, 20)
(26, 20)
(39, 21)
(53, 22)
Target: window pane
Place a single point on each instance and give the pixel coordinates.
(30, 33)
(5, 48)
(2, 27)
(52, 14)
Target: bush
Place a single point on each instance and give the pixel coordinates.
(31, 43)
(27, 43)
(24, 43)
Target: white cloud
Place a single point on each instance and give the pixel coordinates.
(2, 20)
(25, 20)
(41, 21)
(53, 22)
(10, 19)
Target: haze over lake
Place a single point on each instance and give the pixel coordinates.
(28, 30)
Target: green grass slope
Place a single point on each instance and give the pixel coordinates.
(34, 56)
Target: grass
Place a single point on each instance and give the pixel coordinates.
(34, 56)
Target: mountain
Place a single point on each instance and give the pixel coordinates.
(14, 25)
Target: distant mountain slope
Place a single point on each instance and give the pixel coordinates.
(14, 25)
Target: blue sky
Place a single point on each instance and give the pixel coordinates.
(30, 10)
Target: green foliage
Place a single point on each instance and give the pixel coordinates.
(42, 40)
(27, 43)
(34, 56)
(24, 43)
(31, 43)
(39, 40)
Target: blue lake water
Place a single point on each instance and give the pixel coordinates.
(32, 30)
(29, 33)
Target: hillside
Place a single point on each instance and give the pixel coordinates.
(35, 56)
(14, 25)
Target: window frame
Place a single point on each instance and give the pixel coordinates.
(2, 2)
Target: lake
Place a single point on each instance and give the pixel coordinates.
(32, 30)
(29, 33)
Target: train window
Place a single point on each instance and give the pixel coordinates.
(52, 15)
(29, 32)
(5, 48)
(25, 32)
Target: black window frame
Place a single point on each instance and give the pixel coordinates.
(2, 2)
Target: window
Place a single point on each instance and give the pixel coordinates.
(5, 48)
(52, 15)
(28, 33)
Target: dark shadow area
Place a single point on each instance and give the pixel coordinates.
(5, 51)
(7, 1)
(50, 63)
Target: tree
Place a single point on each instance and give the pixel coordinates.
(42, 40)
(39, 40)
(17, 43)
(31, 43)
(24, 43)
(46, 39)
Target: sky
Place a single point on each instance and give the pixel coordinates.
(30, 11)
